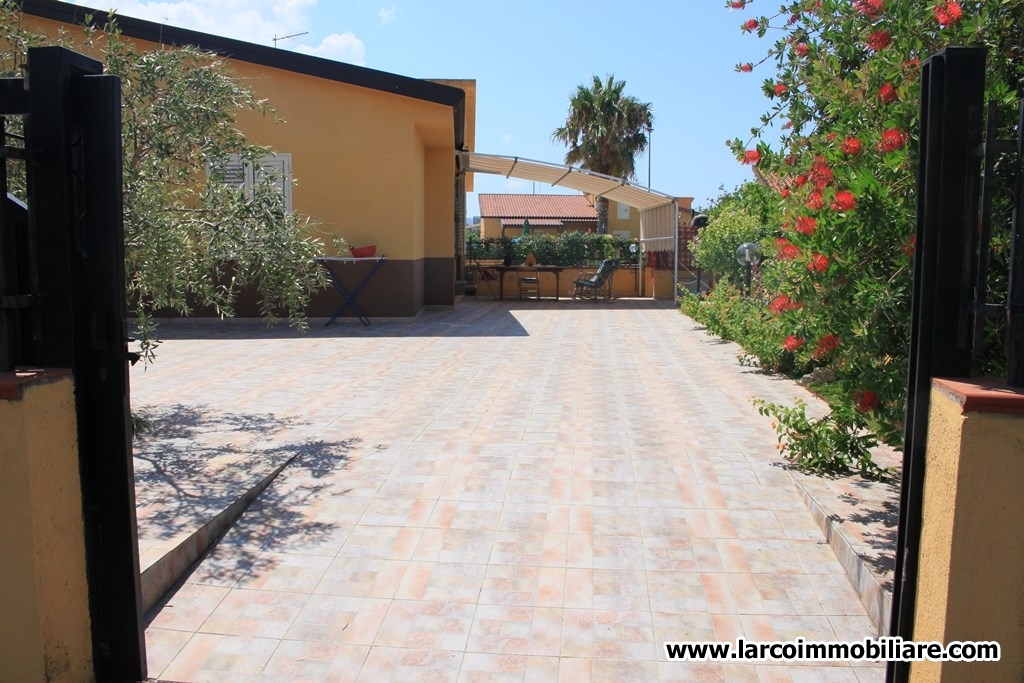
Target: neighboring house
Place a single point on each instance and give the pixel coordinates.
(373, 154)
(503, 215)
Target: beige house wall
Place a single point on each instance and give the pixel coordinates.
(45, 629)
(972, 533)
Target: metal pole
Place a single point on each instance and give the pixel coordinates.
(675, 271)
(750, 267)
(650, 134)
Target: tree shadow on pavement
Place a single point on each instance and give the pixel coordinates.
(194, 462)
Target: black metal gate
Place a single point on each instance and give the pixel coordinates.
(951, 276)
(62, 305)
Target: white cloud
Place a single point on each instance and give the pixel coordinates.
(341, 47)
(387, 15)
(254, 21)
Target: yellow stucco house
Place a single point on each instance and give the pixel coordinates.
(373, 155)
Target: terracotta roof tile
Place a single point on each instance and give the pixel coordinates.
(535, 222)
(556, 206)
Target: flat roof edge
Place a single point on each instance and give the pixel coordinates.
(263, 55)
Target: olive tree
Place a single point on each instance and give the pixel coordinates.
(192, 239)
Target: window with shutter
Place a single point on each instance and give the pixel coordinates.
(240, 174)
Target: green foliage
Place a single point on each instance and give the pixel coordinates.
(754, 199)
(569, 248)
(727, 313)
(844, 90)
(190, 239)
(836, 444)
(729, 226)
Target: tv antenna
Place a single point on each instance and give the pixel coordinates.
(294, 35)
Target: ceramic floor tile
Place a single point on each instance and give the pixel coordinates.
(381, 542)
(426, 625)
(503, 629)
(339, 619)
(162, 646)
(437, 581)
(210, 657)
(299, 661)
(256, 613)
(434, 529)
(188, 606)
(528, 586)
(367, 577)
(392, 664)
(285, 572)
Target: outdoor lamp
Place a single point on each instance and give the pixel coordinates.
(748, 255)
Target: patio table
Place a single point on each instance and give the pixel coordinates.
(557, 270)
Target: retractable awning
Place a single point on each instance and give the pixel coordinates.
(598, 184)
(659, 217)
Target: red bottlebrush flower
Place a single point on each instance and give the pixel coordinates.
(910, 246)
(879, 40)
(844, 201)
(790, 158)
(821, 175)
(826, 344)
(912, 63)
(832, 136)
(801, 180)
(887, 93)
(815, 201)
(948, 13)
(850, 146)
(867, 400)
(793, 18)
(801, 49)
(806, 225)
(787, 251)
(738, 4)
(780, 89)
(818, 263)
(892, 140)
(783, 303)
(751, 157)
(784, 193)
(870, 8)
(750, 25)
(746, 68)
(793, 343)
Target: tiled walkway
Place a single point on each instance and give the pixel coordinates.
(536, 492)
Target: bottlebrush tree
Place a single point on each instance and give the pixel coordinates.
(843, 83)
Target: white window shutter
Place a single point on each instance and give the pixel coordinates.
(235, 173)
(278, 169)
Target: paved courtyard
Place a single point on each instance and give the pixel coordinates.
(504, 491)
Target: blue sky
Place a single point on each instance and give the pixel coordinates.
(527, 57)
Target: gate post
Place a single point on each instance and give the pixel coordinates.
(952, 85)
(78, 321)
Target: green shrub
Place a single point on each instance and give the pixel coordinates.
(569, 248)
(838, 443)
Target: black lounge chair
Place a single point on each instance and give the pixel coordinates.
(596, 285)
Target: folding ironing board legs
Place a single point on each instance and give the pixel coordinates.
(348, 298)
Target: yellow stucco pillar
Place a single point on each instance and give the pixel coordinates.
(971, 578)
(44, 632)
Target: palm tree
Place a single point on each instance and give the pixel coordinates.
(605, 131)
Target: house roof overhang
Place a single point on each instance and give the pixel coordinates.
(589, 182)
(162, 34)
